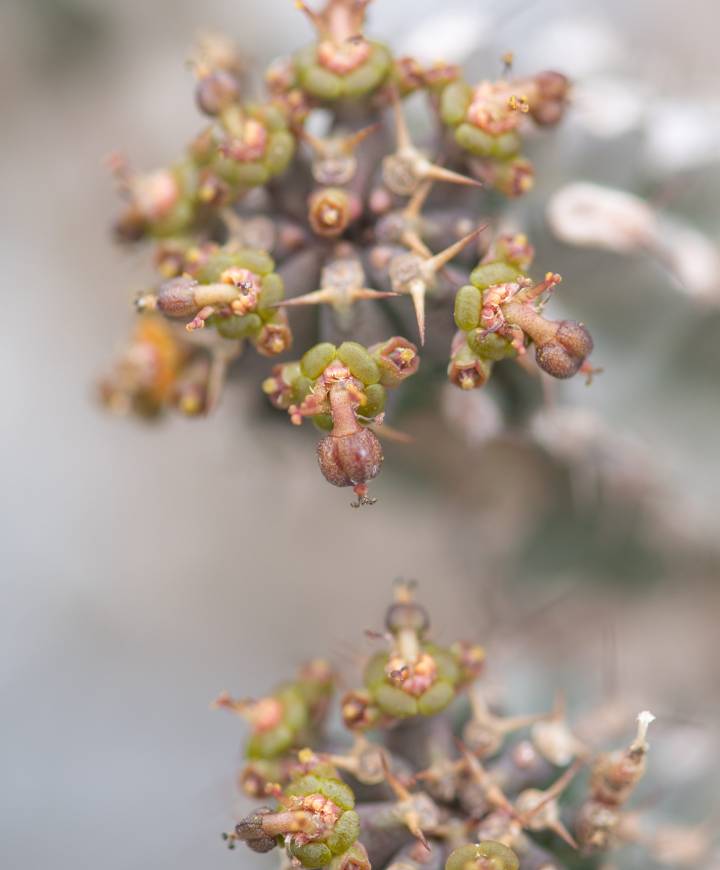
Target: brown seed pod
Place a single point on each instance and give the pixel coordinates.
(176, 297)
(350, 460)
(563, 355)
(216, 91)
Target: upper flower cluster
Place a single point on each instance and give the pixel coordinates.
(269, 222)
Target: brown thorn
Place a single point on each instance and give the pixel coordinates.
(412, 240)
(350, 143)
(414, 206)
(439, 173)
(391, 434)
(559, 828)
(436, 263)
(417, 294)
(402, 133)
(493, 792)
(398, 789)
(369, 293)
(318, 145)
(317, 297)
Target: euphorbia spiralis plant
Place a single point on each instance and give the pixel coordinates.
(426, 773)
(271, 222)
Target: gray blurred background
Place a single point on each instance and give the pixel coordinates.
(146, 568)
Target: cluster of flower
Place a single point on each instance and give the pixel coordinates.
(363, 205)
(428, 779)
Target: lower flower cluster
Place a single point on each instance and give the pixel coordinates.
(429, 774)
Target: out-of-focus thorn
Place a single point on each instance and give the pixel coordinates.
(388, 433)
(437, 262)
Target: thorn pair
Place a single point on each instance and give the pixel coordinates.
(405, 170)
(414, 273)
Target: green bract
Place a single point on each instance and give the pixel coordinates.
(288, 732)
(394, 701)
(317, 359)
(361, 365)
(210, 271)
(324, 84)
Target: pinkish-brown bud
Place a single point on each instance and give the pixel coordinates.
(397, 358)
(358, 712)
(515, 178)
(274, 338)
(552, 85)
(216, 91)
(329, 211)
(548, 113)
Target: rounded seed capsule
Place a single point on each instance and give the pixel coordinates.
(361, 364)
(468, 302)
(554, 359)
(563, 355)
(317, 359)
(176, 298)
(350, 460)
(575, 338)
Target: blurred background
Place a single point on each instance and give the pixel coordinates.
(145, 568)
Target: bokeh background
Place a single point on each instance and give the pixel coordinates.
(145, 568)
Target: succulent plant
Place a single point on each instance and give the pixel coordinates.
(433, 775)
(268, 218)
